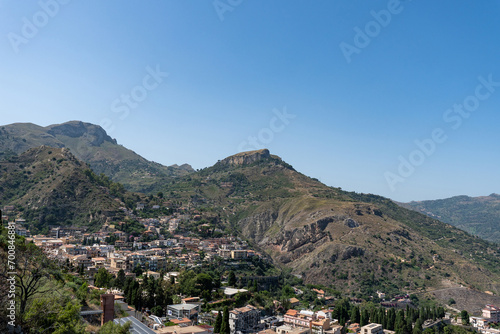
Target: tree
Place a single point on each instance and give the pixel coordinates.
(465, 317)
(102, 278)
(400, 324)
(120, 279)
(203, 282)
(355, 315)
(364, 318)
(391, 319)
(33, 268)
(82, 292)
(224, 328)
(218, 323)
(158, 311)
(137, 270)
(231, 278)
(418, 327)
(53, 314)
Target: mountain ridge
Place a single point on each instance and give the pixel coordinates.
(324, 233)
(50, 186)
(477, 215)
(93, 145)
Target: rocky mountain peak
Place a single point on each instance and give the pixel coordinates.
(246, 158)
(94, 134)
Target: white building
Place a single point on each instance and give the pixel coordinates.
(372, 329)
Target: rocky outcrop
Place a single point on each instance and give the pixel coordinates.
(94, 134)
(290, 240)
(349, 222)
(256, 226)
(246, 158)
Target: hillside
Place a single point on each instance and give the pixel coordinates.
(355, 242)
(477, 215)
(91, 144)
(51, 187)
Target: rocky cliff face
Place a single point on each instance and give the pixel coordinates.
(246, 158)
(256, 226)
(94, 134)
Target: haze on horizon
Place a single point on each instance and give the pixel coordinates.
(395, 98)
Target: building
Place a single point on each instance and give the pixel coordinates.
(285, 329)
(294, 302)
(118, 263)
(244, 319)
(355, 328)
(22, 231)
(478, 322)
(81, 260)
(157, 263)
(320, 325)
(294, 318)
(238, 254)
(372, 329)
(153, 274)
(231, 292)
(492, 313)
(191, 300)
(490, 331)
(189, 311)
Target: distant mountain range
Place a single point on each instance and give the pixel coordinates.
(90, 143)
(355, 242)
(477, 215)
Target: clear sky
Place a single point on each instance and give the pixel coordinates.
(341, 90)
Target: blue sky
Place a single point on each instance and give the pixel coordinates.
(360, 81)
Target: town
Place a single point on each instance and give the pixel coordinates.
(183, 273)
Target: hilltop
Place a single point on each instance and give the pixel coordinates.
(91, 144)
(477, 215)
(326, 235)
(51, 187)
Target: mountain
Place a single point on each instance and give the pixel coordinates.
(355, 242)
(477, 215)
(51, 187)
(90, 143)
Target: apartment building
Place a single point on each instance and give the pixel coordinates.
(244, 319)
(372, 329)
(492, 313)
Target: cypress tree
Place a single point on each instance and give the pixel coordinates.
(365, 318)
(391, 319)
(224, 328)
(218, 323)
(418, 327)
(355, 315)
(400, 324)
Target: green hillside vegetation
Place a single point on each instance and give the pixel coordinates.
(48, 297)
(326, 234)
(477, 215)
(91, 144)
(49, 186)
